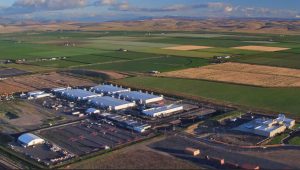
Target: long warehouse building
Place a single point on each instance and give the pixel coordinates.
(140, 97)
(110, 103)
(78, 94)
(162, 111)
(108, 89)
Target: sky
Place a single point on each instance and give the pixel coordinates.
(106, 10)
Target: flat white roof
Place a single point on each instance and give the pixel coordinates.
(108, 89)
(78, 93)
(152, 111)
(108, 101)
(135, 95)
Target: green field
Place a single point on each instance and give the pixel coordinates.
(295, 141)
(274, 99)
(158, 63)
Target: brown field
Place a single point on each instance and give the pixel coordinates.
(40, 81)
(261, 48)
(187, 47)
(138, 156)
(248, 74)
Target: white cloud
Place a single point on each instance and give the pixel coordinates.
(49, 4)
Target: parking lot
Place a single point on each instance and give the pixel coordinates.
(89, 136)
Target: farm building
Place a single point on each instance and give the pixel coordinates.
(162, 111)
(29, 139)
(108, 89)
(110, 103)
(126, 122)
(140, 97)
(77, 94)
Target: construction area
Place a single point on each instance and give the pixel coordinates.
(28, 83)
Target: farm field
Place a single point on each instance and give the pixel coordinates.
(279, 59)
(160, 63)
(272, 99)
(257, 75)
(187, 47)
(261, 48)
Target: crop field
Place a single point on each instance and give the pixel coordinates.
(265, 76)
(160, 63)
(279, 59)
(187, 47)
(273, 99)
(261, 48)
(103, 50)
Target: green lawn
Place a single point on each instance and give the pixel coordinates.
(274, 99)
(295, 141)
(277, 139)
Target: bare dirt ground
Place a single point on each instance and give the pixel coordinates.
(29, 118)
(248, 74)
(138, 156)
(261, 48)
(40, 81)
(187, 47)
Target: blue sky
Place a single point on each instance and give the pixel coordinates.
(102, 10)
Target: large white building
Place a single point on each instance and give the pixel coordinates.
(110, 103)
(162, 111)
(267, 127)
(108, 89)
(37, 95)
(127, 122)
(140, 97)
(29, 139)
(78, 94)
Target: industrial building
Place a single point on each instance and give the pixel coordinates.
(108, 89)
(267, 127)
(289, 123)
(92, 111)
(110, 103)
(77, 94)
(140, 97)
(126, 122)
(29, 139)
(59, 89)
(162, 111)
(37, 95)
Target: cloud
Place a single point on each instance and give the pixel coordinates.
(108, 2)
(49, 4)
(125, 6)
